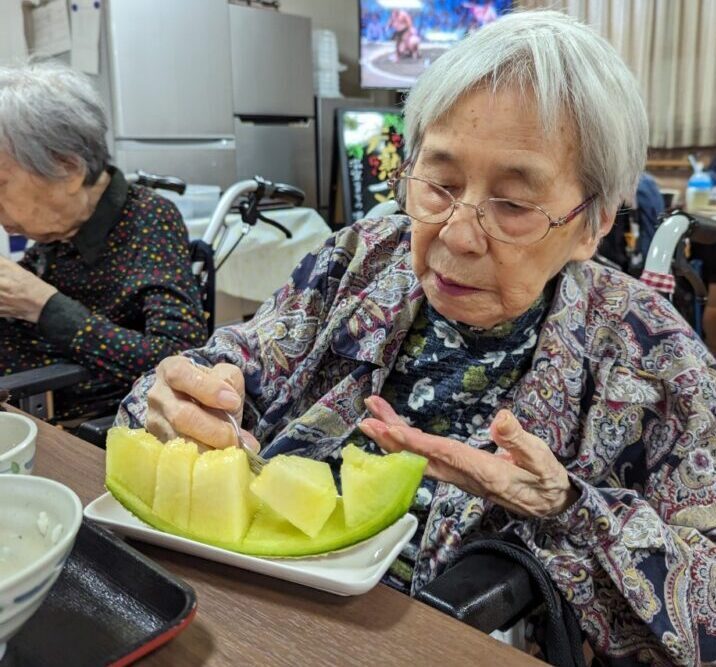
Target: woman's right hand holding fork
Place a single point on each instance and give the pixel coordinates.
(191, 401)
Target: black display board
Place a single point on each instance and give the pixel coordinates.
(368, 150)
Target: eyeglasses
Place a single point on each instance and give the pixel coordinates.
(506, 220)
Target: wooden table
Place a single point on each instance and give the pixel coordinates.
(249, 619)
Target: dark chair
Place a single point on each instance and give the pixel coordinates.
(495, 582)
(32, 390)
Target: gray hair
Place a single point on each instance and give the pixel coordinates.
(51, 115)
(569, 68)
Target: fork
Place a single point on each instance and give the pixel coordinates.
(256, 462)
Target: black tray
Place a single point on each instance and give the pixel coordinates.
(110, 606)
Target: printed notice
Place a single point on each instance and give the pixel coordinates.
(51, 29)
(85, 17)
(12, 32)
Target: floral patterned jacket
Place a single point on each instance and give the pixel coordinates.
(619, 387)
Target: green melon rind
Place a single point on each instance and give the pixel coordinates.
(142, 511)
(271, 536)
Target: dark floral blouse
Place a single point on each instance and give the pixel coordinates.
(126, 299)
(447, 380)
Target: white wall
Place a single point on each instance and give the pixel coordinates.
(4, 243)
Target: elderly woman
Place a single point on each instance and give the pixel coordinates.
(557, 401)
(108, 283)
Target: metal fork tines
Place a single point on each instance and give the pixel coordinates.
(256, 462)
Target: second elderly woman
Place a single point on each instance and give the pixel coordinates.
(107, 283)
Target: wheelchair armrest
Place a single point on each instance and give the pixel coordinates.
(483, 590)
(95, 430)
(40, 380)
(704, 229)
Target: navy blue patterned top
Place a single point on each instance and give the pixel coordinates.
(447, 380)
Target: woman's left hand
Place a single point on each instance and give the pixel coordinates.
(525, 478)
(22, 294)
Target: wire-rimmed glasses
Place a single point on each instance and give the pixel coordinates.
(506, 220)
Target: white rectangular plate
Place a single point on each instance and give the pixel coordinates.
(351, 571)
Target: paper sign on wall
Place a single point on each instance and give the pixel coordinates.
(85, 17)
(51, 29)
(12, 32)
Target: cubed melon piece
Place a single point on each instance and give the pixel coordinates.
(370, 483)
(172, 495)
(132, 457)
(220, 506)
(298, 489)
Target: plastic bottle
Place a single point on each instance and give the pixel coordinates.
(698, 190)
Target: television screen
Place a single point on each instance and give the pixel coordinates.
(400, 38)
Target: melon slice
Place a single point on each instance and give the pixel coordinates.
(172, 494)
(224, 512)
(272, 535)
(220, 506)
(367, 481)
(300, 490)
(132, 457)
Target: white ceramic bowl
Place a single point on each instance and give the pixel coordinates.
(39, 520)
(18, 435)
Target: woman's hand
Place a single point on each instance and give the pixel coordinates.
(22, 294)
(525, 478)
(190, 401)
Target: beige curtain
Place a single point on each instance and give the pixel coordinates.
(670, 45)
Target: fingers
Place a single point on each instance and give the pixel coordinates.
(231, 374)
(202, 424)
(448, 460)
(235, 378)
(158, 426)
(159, 396)
(213, 389)
(170, 415)
(381, 409)
(191, 402)
(376, 430)
(526, 450)
(524, 477)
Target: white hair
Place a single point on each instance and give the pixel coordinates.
(571, 71)
(51, 116)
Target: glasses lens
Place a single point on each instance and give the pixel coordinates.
(514, 222)
(424, 201)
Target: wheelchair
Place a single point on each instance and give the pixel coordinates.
(33, 390)
(668, 268)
